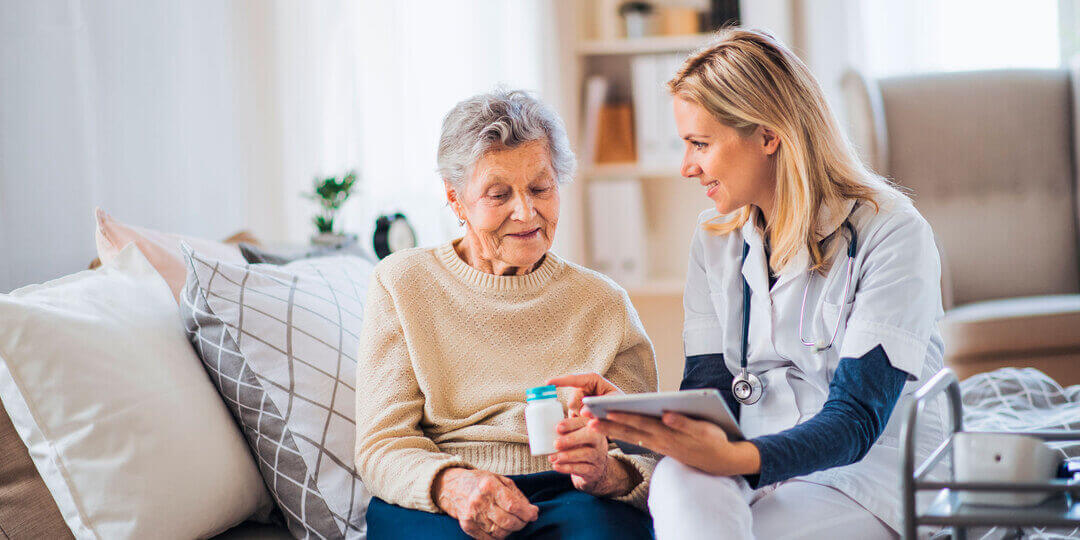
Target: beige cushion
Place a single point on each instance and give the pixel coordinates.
(1016, 332)
(990, 159)
(160, 248)
(1064, 367)
(27, 509)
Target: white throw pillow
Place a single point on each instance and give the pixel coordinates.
(116, 410)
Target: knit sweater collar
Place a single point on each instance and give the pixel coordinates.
(532, 281)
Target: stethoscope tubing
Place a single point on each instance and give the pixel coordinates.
(747, 387)
(814, 344)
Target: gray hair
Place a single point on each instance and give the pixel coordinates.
(500, 119)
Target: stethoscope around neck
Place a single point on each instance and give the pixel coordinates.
(746, 386)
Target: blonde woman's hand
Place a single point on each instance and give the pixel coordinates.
(697, 443)
(582, 453)
(584, 384)
(486, 505)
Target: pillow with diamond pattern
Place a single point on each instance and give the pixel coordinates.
(280, 344)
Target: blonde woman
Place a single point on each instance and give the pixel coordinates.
(825, 277)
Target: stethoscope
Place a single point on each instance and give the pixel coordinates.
(746, 386)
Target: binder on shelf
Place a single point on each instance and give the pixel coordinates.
(609, 26)
(672, 145)
(617, 235)
(615, 136)
(608, 128)
(596, 88)
(642, 88)
(678, 20)
(658, 143)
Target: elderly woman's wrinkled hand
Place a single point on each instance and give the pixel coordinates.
(485, 504)
(582, 452)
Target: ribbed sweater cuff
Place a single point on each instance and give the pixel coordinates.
(499, 458)
(644, 465)
(422, 498)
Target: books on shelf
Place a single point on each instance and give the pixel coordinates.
(617, 230)
(615, 136)
(658, 142)
(608, 127)
(596, 88)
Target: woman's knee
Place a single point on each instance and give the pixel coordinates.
(687, 503)
(678, 486)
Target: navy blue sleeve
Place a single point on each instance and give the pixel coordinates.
(709, 371)
(862, 395)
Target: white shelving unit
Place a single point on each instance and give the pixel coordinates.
(671, 203)
(623, 170)
(645, 45)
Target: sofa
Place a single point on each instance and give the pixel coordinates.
(993, 158)
(178, 390)
(974, 147)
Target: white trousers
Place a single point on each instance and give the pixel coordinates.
(686, 503)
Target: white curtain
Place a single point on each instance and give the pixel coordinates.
(124, 104)
(308, 52)
(205, 117)
(418, 60)
(885, 38)
(955, 35)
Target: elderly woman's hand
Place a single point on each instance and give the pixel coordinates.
(582, 452)
(584, 384)
(485, 504)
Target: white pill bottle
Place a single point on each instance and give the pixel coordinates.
(543, 411)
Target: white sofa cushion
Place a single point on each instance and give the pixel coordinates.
(280, 343)
(116, 411)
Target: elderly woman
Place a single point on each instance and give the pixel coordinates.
(454, 335)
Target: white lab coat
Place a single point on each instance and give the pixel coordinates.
(896, 303)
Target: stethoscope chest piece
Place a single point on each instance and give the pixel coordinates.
(746, 387)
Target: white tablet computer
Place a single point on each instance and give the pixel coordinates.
(705, 404)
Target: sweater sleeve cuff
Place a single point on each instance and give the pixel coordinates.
(770, 466)
(422, 497)
(644, 466)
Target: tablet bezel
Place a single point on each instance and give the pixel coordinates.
(702, 404)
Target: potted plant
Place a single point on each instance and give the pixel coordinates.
(330, 193)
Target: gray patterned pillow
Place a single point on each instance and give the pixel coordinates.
(280, 344)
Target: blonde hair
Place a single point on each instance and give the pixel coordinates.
(746, 79)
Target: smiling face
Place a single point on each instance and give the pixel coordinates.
(734, 170)
(510, 204)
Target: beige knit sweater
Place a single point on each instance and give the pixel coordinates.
(447, 352)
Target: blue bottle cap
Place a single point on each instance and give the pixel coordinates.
(541, 392)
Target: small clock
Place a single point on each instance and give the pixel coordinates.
(392, 233)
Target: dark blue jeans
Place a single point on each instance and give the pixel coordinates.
(564, 513)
